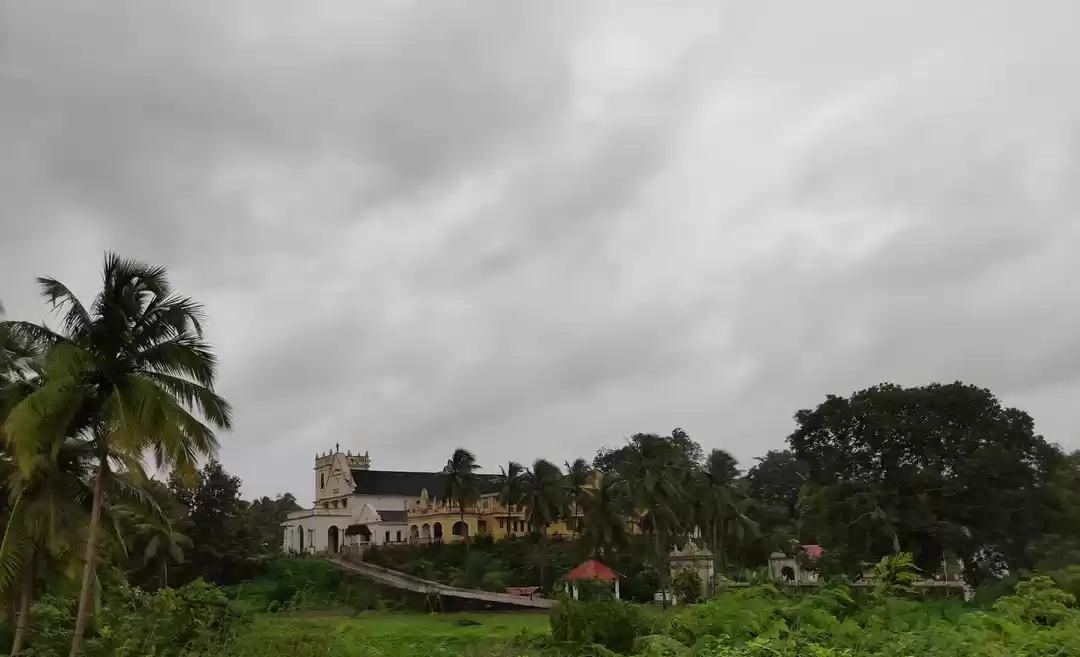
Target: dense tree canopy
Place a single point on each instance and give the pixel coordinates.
(937, 470)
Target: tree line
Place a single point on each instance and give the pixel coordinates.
(941, 471)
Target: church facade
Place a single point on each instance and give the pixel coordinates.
(355, 505)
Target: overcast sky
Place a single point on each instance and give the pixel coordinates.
(533, 228)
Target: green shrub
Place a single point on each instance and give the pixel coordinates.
(1038, 601)
(184, 622)
(614, 624)
(687, 586)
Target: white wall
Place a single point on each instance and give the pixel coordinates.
(316, 528)
(381, 502)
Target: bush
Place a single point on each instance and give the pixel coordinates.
(305, 583)
(183, 622)
(687, 586)
(1037, 601)
(614, 624)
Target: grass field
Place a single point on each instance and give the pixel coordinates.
(390, 634)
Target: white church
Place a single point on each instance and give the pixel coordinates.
(354, 505)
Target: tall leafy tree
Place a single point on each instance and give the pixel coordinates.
(128, 374)
(47, 519)
(545, 499)
(156, 533)
(724, 503)
(509, 484)
(935, 470)
(578, 474)
(269, 514)
(461, 484)
(225, 539)
(684, 450)
(655, 470)
(604, 516)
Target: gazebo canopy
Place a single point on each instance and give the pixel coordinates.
(592, 569)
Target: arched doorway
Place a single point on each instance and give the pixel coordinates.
(460, 529)
(414, 532)
(332, 540)
(436, 531)
(788, 573)
(299, 538)
(425, 532)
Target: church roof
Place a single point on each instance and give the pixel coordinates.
(388, 482)
(406, 484)
(393, 516)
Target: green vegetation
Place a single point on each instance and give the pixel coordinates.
(1038, 620)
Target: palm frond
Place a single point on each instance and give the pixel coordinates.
(35, 337)
(182, 355)
(194, 396)
(76, 320)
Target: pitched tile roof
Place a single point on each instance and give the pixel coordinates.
(393, 516)
(406, 484)
(387, 482)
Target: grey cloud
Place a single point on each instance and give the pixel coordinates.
(417, 227)
(121, 111)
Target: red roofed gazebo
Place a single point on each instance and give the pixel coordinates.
(593, 569)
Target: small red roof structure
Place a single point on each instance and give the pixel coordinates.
(592, 569)
(813, 551)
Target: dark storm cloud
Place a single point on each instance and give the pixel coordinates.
(119, 111)
(534, 228)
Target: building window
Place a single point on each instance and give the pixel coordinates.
(322, 480)
(500, 523)
(344, 503)
(399, 536)
(387, 537)
(481, 527)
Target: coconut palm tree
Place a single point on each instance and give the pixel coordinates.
(47, 519)
(127, 375)
(655, 475)
(156, 531)
(545, 500)
(508, 482)
(578, 474)
(604, 513)
(723, 504)
(461, 485)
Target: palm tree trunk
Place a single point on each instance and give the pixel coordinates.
(24, 610)
(661, 568)
(574, 519)
(464, 527)
(717, 561)
(720, 546)
(543, 559)
(164, 572)
(78, 640)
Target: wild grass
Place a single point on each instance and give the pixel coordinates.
(372, 634)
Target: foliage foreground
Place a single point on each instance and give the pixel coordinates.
(199, 619)
(1038, 620)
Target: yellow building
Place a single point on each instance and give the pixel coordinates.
(432, 520)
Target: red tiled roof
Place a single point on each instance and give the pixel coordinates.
(592, 569)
